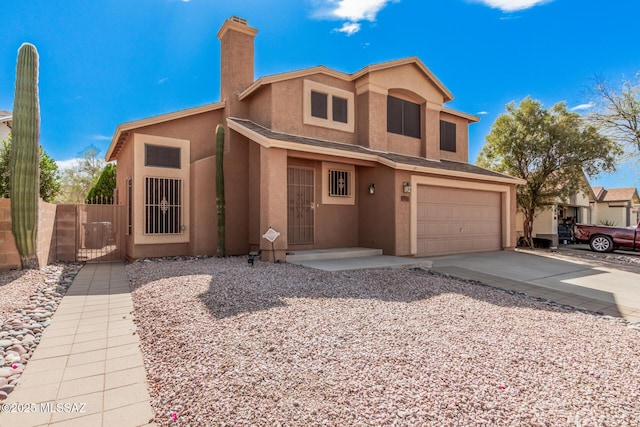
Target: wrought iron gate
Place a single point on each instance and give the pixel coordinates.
(301, 203)
(100, 233)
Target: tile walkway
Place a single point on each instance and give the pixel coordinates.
(88, 368)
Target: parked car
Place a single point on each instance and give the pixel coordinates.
(603, 238)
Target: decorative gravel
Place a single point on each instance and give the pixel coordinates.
(28, 299)
(229, 344)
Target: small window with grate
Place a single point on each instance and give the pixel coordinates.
(339, 183)
(161, 156)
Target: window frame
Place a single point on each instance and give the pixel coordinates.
(448, 145)
(332, 199)
(140, 171)
(403, 105)
(333, 94)
(148, 146)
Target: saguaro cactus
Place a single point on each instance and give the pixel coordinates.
(220, 189)
(24, 160)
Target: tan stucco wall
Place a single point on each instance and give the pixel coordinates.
(288, 109)
(409, 78)
(204, 219)
(403, 214)
(377, 213)
(462, 138)
(273, 201)
(545, 223)
(615, 214)
(200, 129)
(260, 107)
(47, 244)
(9, 257)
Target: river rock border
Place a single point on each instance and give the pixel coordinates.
(21, 331)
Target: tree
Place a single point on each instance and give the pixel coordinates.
(102, 190)
(618, 111)
(550, 149)
(78, 179)
(49, 173)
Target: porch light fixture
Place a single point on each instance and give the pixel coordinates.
(406, 187)
(372, 189)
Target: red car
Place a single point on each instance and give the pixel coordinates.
(602, 238)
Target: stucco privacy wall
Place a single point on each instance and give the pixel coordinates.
(9, 258)
(46, 244)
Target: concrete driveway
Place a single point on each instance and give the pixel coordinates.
(578, 283)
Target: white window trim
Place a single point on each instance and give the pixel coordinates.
(330, 91)
(338, 200)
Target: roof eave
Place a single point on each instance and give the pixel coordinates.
(123, 128)
(369, 156)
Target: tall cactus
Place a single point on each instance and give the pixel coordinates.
(220, 189)
(24, 161)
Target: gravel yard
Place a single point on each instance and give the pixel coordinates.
(227, 344)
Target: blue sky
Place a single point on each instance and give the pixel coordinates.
(105, 62)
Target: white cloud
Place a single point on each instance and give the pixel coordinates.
(351, 11)
(67, 164)
(482, 113)
(583, 106)
(101, 137)
(358, 10)
(163, 80)
(512, 5)
(349, 28)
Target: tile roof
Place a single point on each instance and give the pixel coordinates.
(349, 148)
(618, 194)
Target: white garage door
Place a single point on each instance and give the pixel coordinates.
(453, 220)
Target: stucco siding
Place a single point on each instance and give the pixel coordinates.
(288, 109)
(200, 129)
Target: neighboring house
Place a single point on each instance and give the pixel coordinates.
(619, 206)
(327, 159)
(550, 223)
(6, 122)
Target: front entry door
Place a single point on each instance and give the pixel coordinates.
(300, 204)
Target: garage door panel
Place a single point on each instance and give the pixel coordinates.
(452, 220)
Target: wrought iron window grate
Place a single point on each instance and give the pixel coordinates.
(163, 206)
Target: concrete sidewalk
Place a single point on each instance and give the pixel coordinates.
(581, 284)
(88, 368)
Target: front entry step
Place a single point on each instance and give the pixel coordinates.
(339, 253)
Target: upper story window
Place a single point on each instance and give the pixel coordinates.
(447, 136)
(161, 156)
(403, 117)
(328, 107)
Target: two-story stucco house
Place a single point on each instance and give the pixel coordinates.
(328, 159)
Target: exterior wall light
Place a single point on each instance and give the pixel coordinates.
(372, 188)
(406, 187)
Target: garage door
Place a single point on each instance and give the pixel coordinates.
(452, 220)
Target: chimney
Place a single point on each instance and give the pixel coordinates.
(236, 57)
